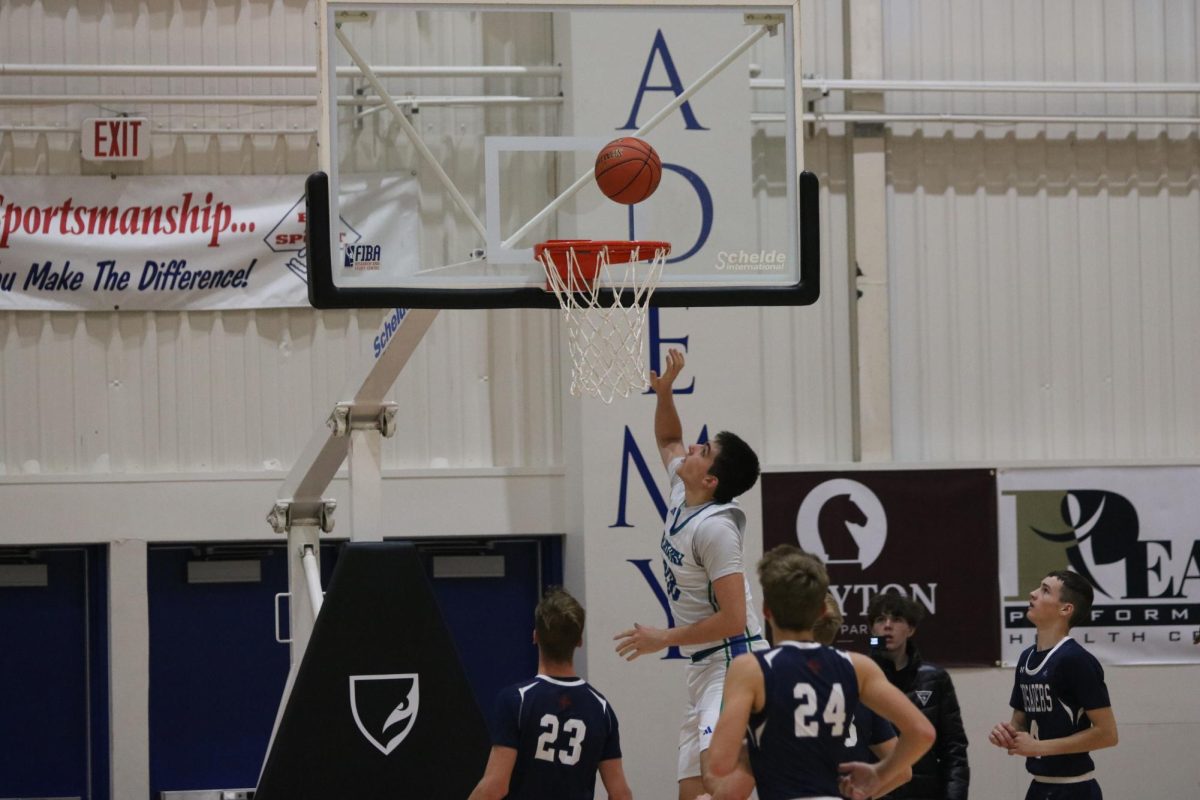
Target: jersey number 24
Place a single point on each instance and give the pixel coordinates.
(834, 714)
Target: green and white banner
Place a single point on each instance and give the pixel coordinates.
(1134, 532)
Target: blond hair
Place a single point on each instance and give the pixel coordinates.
(558, 620)
(826, 629)
(794, 586)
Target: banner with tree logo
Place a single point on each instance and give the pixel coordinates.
(1133, 532)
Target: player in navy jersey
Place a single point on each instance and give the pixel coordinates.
(1061, 709)
(869, 737)
(553, 732)
(795, 701)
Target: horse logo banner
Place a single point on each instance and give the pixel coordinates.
(929, 534)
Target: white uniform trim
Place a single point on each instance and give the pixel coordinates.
(687, 536)
(1025, 667)
(1087, 776)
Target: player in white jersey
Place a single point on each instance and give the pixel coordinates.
(703, 571)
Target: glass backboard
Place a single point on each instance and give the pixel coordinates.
(454, 138)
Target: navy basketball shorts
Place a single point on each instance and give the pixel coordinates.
(1086, 790)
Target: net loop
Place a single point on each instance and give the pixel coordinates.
(606, 341)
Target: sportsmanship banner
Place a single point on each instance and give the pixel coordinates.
(1134, 532)
(184, 242)
(928, 534)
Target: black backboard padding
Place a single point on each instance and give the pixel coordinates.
(380, 617)
(323, 293)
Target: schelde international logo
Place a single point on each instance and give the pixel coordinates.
(842, 522)
(385, 707)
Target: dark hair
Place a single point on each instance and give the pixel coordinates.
(558, 620)
(894, 604)
(827, 627)
(735, 467)
(1078, 592)
(794, 586)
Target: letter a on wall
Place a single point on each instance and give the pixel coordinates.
(381, 707)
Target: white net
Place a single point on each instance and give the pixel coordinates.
(606, 342)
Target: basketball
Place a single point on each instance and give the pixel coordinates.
(628, 170)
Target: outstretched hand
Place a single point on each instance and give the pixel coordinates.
(639, 641)
(674, 366)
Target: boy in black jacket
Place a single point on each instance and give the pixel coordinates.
(942, 774)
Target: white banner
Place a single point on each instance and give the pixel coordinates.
(184, 242)
(1134, 532)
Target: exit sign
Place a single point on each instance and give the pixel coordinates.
(116, 139)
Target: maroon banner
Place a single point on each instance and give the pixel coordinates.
(929, 534)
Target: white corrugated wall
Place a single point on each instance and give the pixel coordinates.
(1045, 284)
(236, 391)
(1044, 280)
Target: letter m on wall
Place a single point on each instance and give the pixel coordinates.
(631, 454)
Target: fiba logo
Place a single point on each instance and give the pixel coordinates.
(363, 256)
(842, 522)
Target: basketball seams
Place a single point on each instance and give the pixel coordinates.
(636, 145)
(628, 170)
(632, 181)
(629, 163)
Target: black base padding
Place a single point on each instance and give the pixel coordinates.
(381, 707)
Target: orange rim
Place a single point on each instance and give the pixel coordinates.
(587, 254)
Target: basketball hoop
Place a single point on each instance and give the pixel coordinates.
(605, 341)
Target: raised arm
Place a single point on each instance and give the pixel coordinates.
(668, 430)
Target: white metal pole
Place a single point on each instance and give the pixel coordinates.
(126, 100)
(302, 610)
(415, 137)
(983, 119)
(366, 485)
(1022, 87)
(267, 71)
(312, 577)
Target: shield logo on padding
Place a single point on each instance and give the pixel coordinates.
(385, 707)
